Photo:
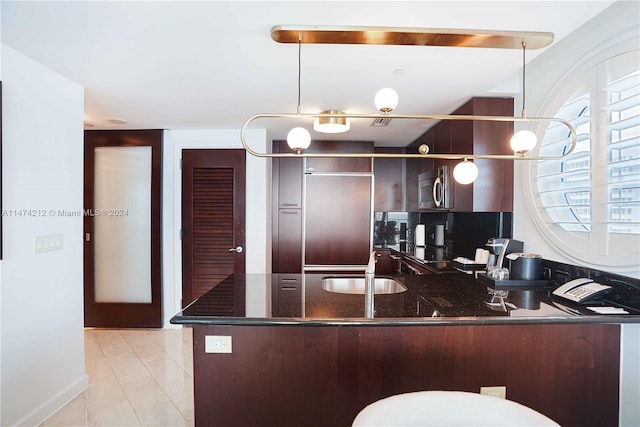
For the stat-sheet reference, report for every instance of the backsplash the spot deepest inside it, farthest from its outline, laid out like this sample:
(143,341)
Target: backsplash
(464,232)
(560,273)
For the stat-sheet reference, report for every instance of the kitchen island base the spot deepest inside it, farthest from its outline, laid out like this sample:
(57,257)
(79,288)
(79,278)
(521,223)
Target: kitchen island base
(293,375)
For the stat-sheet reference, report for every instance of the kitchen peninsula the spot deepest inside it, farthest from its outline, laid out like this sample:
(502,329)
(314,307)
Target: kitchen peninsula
(302,355)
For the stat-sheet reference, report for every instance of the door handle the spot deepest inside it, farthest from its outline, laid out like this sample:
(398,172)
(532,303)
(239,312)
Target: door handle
(237,249)
(437,192)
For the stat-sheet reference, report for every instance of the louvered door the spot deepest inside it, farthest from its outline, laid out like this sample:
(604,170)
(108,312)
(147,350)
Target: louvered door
(213,218)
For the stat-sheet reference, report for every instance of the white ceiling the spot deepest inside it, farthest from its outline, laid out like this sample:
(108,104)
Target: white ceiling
(212,64)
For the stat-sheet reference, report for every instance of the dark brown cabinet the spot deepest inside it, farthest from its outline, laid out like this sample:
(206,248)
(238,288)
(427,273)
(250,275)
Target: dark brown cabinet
(492,191)
(324,375)
(337,207)
(337,220)
(386,262)
(287,213)
(339,164)
(289,242)
(389,195)
(290,184)
(286,296)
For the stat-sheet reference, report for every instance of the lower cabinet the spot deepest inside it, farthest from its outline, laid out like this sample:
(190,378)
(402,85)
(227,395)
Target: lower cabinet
(287,258)
(387,263)
(286,299)
(324,375)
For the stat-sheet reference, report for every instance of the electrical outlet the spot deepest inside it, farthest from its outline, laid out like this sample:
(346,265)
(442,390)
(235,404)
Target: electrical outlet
(496,391)
(217,344)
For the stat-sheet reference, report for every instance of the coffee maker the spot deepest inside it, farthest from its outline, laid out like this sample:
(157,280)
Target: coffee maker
(499,247)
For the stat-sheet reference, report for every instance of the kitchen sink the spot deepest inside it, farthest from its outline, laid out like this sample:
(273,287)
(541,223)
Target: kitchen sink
(356,285)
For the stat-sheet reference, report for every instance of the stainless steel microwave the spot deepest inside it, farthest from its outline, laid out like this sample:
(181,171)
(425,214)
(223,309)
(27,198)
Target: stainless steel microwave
(434,191)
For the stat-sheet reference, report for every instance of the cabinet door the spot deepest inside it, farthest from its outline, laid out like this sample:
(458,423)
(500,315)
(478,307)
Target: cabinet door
(289,257)
(389,192)
(338,220)
(333,164)
(286,296)
(290,183)
(383,262)
(442,141)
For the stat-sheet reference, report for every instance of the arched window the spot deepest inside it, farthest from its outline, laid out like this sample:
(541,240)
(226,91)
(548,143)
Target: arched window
(588,203)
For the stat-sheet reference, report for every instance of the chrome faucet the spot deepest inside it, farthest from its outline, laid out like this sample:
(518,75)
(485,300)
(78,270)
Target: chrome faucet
(369,285)
(371,267)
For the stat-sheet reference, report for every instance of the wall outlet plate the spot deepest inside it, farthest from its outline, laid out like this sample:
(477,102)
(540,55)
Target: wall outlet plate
(217,344)
(496,391)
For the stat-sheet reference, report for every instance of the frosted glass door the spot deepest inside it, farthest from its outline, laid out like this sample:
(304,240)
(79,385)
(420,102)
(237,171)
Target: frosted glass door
(122,224)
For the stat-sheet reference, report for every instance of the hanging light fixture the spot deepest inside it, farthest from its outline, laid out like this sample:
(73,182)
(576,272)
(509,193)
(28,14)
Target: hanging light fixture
(387,99)
(465,172)
(523,141)
(298,138)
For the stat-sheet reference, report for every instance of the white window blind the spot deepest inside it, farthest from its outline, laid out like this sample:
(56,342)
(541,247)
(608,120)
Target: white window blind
(590,200)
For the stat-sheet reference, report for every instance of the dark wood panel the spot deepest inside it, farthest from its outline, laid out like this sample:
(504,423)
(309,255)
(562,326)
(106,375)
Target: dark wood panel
(290,183)
(212,227)
(213,218)
(389,182)
(289,241)
(331,164)
(337,220)
(321,376)
(493,138)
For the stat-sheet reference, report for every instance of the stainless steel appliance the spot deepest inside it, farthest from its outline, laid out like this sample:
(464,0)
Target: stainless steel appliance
(525,266)
(499,248)
(434,191)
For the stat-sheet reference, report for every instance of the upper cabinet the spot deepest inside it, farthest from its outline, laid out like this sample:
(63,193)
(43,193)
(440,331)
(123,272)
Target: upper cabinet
(338,164)
(389,194)
(287,178)
(492,191)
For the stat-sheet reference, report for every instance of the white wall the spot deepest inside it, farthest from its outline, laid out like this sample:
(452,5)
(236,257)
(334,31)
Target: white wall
(258,205)
(617,27)
(42,307)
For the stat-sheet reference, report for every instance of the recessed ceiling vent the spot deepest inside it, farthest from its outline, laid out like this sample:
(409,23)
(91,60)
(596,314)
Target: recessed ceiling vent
(381,122)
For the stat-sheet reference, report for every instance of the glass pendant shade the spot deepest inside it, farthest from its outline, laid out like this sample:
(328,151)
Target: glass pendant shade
(523,141)
(386,100)
(298,139)
(465,172)
(331,124)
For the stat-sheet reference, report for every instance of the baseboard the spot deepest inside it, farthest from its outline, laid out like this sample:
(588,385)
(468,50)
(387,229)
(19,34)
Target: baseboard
(55,403)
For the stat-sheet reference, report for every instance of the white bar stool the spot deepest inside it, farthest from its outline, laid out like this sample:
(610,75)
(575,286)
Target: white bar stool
(449,408)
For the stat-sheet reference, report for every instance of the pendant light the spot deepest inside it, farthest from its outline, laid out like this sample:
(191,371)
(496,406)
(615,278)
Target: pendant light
(465,172)
(299,138)
(387,99)
(523,141)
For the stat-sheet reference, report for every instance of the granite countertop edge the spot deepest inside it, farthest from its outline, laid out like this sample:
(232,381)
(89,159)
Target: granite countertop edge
(446,321)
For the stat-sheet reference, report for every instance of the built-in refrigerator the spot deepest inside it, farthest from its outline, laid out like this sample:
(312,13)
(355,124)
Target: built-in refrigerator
(337,223)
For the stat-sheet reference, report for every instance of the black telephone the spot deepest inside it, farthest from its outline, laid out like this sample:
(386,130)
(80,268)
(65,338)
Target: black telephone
(582,291)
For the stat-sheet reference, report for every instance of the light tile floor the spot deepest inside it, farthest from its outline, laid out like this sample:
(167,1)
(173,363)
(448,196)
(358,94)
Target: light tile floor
(137,377)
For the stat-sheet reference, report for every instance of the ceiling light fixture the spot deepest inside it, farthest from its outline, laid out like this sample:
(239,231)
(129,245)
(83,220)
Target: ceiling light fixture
(331,123)
(386,99)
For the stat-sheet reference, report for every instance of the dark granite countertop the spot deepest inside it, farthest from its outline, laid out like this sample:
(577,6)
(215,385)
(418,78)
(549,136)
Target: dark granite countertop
(448,299)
